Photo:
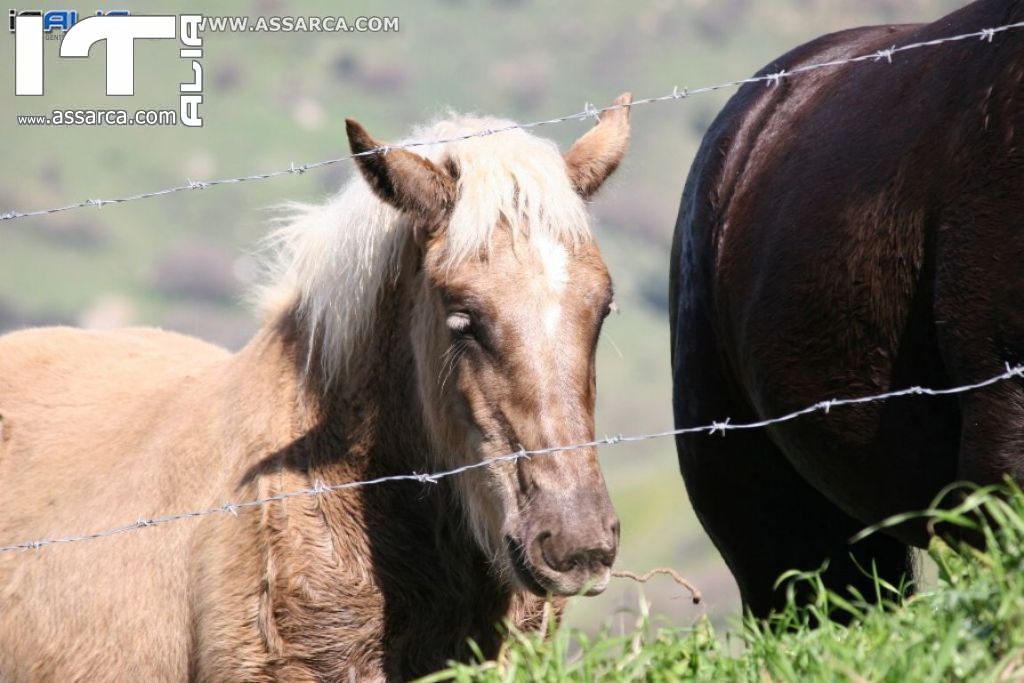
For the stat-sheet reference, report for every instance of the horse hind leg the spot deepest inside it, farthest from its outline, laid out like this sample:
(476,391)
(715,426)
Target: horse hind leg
(763,516)
(765,520)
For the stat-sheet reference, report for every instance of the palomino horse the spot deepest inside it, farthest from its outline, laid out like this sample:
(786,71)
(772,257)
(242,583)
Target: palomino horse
(852,230)
(441,310)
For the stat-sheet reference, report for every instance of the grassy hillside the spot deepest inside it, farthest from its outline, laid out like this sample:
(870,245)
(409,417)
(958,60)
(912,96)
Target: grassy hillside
(969,626)
(271,99)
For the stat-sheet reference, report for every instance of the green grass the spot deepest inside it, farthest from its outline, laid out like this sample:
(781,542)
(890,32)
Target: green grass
(969,626)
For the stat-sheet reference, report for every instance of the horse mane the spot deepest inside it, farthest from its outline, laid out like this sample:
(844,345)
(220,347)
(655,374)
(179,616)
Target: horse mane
(326,263)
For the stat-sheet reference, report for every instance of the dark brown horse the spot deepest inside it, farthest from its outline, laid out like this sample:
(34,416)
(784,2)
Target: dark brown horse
(844,232)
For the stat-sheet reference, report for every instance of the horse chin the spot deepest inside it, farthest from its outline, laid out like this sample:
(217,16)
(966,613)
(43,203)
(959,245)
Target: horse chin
(543,583)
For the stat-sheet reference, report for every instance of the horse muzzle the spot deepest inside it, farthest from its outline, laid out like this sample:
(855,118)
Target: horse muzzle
(574,556)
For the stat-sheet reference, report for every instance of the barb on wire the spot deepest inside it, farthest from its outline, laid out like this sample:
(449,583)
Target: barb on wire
(695,593)
(986,35)
(320,488)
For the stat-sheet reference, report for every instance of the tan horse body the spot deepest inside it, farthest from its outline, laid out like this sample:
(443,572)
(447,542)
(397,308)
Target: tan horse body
(385,582)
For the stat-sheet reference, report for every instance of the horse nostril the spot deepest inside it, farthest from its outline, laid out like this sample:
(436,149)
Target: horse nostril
(549,553)
(593,560)
(602,558)
(564,559)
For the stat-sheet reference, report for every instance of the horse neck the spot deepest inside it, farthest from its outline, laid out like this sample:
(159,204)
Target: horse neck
(429,587)
(375,399)
(399,551)
(368,418)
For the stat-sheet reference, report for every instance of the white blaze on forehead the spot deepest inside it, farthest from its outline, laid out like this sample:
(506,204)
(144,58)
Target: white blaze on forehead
(555,262)
(552,314)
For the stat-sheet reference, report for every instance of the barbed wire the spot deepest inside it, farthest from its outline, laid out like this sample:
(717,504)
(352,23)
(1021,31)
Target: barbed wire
(320,488)
(589,111)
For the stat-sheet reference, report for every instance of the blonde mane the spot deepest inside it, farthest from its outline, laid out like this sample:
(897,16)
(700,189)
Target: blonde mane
(327,262)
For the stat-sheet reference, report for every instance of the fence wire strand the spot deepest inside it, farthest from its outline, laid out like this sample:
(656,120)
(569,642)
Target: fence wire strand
(319,488)
(985,35)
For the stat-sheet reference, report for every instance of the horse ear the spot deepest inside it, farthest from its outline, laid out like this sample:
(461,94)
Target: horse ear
(598,153)
(404,180)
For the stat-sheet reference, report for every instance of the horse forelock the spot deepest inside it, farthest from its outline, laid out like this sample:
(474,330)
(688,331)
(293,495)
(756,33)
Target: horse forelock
(326,264)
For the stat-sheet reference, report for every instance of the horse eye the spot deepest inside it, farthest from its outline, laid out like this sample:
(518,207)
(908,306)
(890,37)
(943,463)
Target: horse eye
(459,323)
(612,308)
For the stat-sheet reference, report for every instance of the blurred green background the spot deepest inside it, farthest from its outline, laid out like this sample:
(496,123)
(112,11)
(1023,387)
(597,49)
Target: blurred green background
(182,262)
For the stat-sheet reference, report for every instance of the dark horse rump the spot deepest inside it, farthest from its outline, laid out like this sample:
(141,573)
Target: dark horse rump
(844,232)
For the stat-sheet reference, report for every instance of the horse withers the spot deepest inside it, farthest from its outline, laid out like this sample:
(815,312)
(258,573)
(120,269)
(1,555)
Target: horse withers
(848,231)
(442,310)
